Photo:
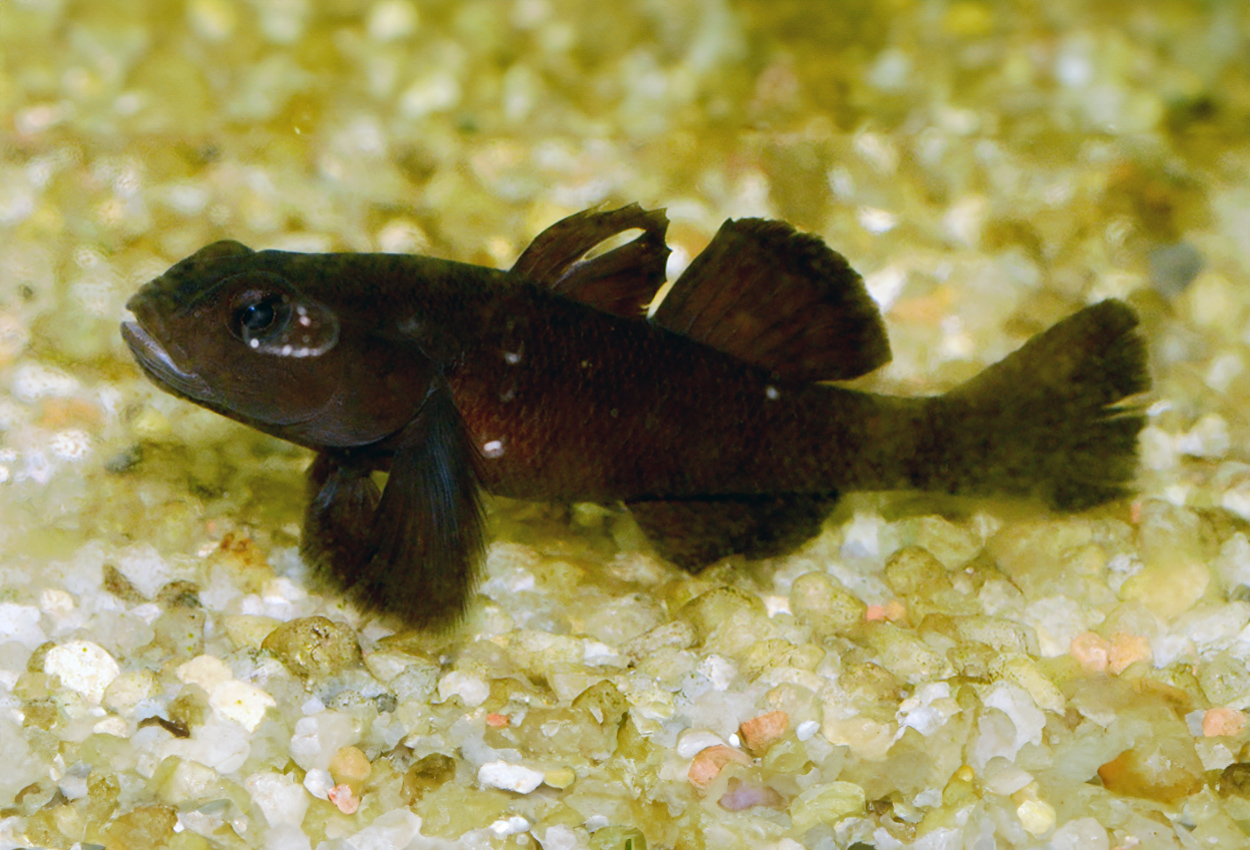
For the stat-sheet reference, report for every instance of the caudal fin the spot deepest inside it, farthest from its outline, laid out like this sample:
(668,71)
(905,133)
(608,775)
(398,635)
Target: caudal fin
(1048,421)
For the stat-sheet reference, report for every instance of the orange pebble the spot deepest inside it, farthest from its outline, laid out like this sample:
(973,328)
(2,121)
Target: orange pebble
(1127,649)
(1090,651)
(1222,721)
(760,733)
(708,763)
(498,721)
(874,612)
(350,766)
(59,413)
(342,797)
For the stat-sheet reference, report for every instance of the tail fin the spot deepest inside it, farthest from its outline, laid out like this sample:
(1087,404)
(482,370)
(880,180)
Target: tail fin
(1046,421)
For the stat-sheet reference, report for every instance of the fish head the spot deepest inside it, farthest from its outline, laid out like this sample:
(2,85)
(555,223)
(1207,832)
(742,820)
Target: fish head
(233,330)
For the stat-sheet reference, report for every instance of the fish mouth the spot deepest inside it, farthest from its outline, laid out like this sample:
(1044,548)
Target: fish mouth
(156,363)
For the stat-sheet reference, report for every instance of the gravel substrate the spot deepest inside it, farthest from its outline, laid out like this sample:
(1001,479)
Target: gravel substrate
(927,673)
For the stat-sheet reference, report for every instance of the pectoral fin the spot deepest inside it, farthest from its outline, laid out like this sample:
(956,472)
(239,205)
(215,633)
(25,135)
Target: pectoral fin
(621,281)
(693,533)
(420,556)
(338,523)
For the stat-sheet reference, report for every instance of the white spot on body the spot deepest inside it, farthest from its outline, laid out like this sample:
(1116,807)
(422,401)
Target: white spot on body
(254,343)
(493,448)
(512,357)
(772,393)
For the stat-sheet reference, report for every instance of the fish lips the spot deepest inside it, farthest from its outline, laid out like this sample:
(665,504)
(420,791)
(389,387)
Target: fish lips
(155,360)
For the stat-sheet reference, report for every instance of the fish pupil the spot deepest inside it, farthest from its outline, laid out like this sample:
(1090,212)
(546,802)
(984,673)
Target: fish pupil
(257,317)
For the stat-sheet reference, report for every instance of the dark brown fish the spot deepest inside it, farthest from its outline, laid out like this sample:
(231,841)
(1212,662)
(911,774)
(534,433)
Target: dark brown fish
(548,382)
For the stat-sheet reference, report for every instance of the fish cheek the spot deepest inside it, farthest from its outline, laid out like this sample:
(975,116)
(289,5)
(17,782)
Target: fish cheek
(262,388)
(378,390)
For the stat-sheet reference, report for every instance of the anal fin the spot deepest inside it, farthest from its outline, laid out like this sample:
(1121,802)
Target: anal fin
(693,533)
(767,294)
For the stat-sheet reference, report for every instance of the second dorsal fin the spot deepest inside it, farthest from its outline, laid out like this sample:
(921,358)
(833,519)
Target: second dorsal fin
(767,294)
(621,281)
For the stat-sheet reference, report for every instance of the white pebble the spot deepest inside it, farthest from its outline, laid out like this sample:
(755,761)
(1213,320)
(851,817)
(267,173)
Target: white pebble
(1222,371)
(861,537)
(515,825)
(390,20)
(33,381)
(436,92)
(1080,834)
(241,702)
(112,725)
(145,569)
(212,20)
(56,603)
(927,710)
(21,767)
(694,741)
(1004,778)
(1237,499)
(319,783)
(319,737)
(806,729)
(1208,438)
(598,653)
(207,671)
(891,70)
(718,670)
(71,444)
(1036,816)
(876,220)
(287,837)
(471,689)
(560,837)
(396,828)
(509,777)
(1026,721)
(83,667)
(221,745)
(20,623)
(386,665)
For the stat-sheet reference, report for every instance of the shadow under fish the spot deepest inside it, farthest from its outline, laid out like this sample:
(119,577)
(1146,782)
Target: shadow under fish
(549,382)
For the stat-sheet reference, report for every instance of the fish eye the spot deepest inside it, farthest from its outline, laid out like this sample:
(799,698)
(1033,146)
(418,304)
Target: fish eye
(271,319)
(259,315)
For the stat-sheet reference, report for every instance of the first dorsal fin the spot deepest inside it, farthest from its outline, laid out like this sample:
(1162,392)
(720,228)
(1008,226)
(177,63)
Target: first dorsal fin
(780,299)
(621,281)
